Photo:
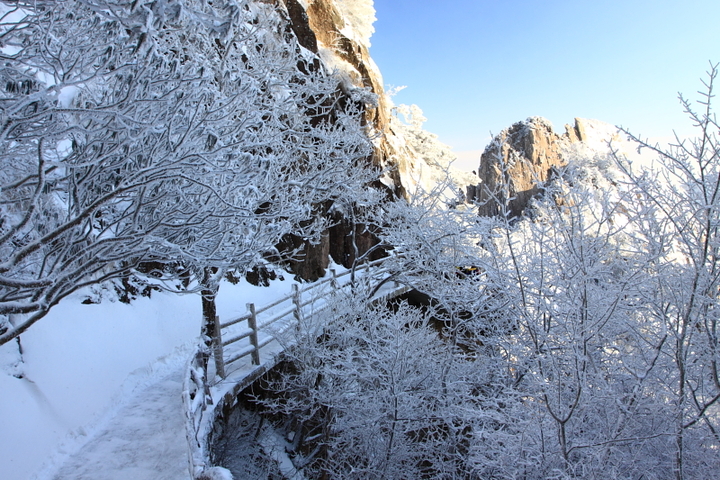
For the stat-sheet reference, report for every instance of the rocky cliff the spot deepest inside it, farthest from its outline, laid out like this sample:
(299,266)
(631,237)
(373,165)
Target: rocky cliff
(519,160)
(325,28)
(338,32)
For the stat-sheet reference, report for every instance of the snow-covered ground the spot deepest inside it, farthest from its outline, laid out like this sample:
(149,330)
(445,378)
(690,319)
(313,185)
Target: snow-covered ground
(84,367)
(144,439)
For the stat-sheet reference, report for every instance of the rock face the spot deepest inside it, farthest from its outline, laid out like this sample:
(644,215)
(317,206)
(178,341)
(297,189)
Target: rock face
(323,28)
(338,32)
(518,162)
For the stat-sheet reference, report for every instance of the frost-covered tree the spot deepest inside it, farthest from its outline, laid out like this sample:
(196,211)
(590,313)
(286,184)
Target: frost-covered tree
(611,284)
(583,357)
(428,162)
(371,390)
(175,133)
(679,202)
(437,252)
(578,340)
(377,395)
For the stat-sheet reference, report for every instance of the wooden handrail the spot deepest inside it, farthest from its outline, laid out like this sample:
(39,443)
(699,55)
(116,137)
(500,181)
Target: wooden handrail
(296,309)
(310,287)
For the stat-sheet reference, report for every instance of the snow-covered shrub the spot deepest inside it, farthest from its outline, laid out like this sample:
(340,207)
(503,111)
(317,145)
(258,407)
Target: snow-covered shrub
(377,395)
(611,282)
(428,162)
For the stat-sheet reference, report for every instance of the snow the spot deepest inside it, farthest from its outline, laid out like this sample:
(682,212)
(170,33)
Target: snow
(86,368)
(425,164)
(359,16)
(217,473)
(11,15)
(67,95)
(144,440)
(600,136)
(275,446)
(75,360)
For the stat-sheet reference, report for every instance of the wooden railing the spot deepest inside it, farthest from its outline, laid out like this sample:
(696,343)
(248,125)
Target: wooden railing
(248,334)
(228,348)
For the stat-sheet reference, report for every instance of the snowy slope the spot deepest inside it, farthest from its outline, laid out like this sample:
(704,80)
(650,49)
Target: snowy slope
(78,362)
(83,363)
(424,164)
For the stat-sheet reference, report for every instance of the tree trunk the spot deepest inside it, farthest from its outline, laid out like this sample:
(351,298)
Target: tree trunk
(209,309)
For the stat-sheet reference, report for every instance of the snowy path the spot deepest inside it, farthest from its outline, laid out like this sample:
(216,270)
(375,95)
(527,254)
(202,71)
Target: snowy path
(144,440)
(107,381)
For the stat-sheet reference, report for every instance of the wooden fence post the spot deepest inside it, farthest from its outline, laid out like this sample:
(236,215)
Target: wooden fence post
(252,323)
(218,349)
(297,312)
(334,281)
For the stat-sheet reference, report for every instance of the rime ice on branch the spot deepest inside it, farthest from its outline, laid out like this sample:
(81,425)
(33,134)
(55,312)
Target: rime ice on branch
(189,134)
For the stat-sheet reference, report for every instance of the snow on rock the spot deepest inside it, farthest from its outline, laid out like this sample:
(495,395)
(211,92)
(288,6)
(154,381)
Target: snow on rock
(522,156)
(215,473)
(275,447)
(359,16)
(526,154)
(598,138)
(424,164)
(339,32)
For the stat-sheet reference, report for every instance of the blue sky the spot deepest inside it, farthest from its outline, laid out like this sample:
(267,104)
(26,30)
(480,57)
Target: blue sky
(477,66)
